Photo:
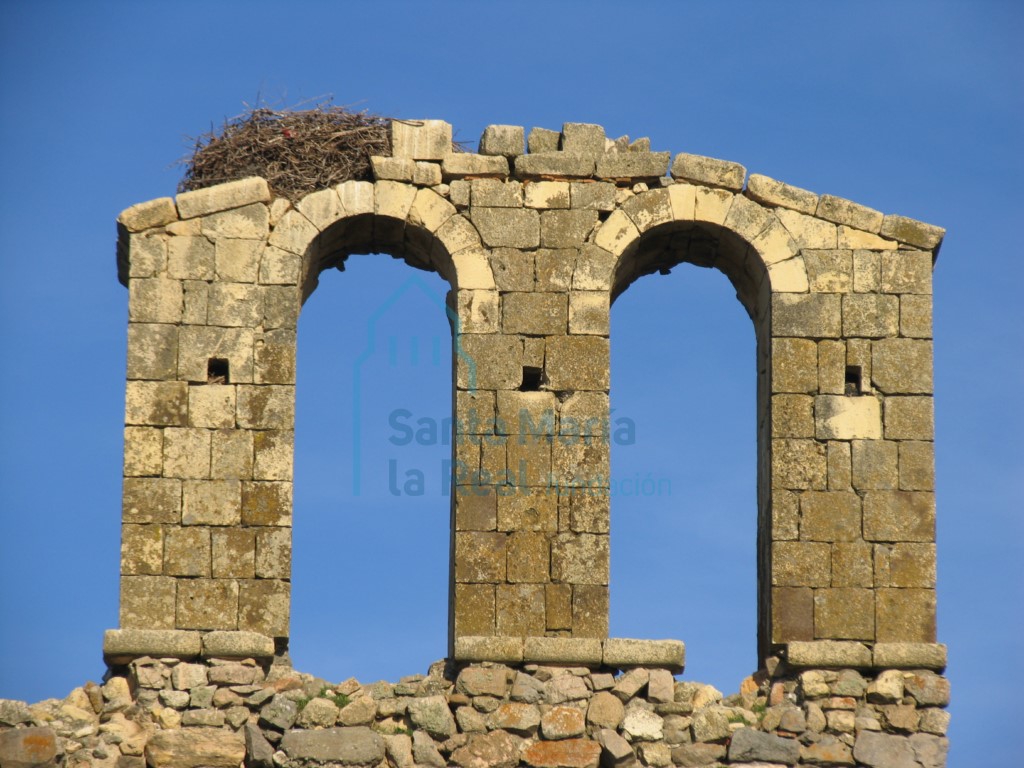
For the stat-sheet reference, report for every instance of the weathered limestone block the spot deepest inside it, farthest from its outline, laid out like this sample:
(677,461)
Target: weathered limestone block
(899,516)
(547,195)
(187,453)
(233,553)
(566,228)
(590,610)
(909,655)
(528,509)
(519,610)
(849,213)
(555,164)
(393,168)
(190,258)
(579,558)
(155,300)
(493,193)
(875,465)
(808,231)
(211,406)
(828,654)
(489,361)
(624,653)
(143,451)
(905,565)
(830,516)
(905,615)
(554,268)
(906,272)
(837,417)
(142,548)
(902,365)
(816,315)
(507,140)
(152,213)
(801,564)
(633,165)
(507,228)
(563,650)
(832,367)
(187,552)
(266,503)
(263,607)
(589,313)
(273,554)
(147,602)
(426,174)
(577,363)
(539,314)
(909,418)
(592,195)
(584,138)
(480,557)
(151,500)
(870,315)
(851,564)
(792,614)
(133,643)
(794,365)
(232,194)
(916,466)
(248,222)
(528,557)
(829,270)
(356,745)
(708,171)
(916,316)
(147,252)
(776,193)
(421,139)
(912,232)
(799,464)
(543,140)
(459,165)
(844,614)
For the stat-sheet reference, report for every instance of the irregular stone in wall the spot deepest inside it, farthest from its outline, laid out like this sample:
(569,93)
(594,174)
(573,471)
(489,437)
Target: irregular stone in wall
(570,753)
(28,747)
(347,746)
(195,747)
(748,745)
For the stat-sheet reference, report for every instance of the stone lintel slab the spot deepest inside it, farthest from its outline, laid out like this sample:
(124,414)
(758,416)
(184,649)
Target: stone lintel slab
(152,213)
(663,654)
(563,650)
(223,197)
(909,656)
(226,644)
(508,650)
(122,645)
(828,653)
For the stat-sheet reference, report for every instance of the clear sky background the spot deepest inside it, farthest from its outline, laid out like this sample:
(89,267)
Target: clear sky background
(912,108)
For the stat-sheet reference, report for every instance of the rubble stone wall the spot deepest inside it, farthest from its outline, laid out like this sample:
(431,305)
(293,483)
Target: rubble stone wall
(169,713)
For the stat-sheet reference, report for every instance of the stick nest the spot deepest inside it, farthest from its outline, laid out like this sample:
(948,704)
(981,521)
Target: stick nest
(296,151)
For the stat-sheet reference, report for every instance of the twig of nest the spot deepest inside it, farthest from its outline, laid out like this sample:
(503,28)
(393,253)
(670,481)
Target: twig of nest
(296,151)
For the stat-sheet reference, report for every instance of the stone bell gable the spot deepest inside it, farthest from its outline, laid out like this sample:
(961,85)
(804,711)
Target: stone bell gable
(536,234)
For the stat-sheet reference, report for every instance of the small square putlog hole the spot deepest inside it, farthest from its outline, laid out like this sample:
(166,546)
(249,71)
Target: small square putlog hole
(531,379)
(217,371)
(853,380)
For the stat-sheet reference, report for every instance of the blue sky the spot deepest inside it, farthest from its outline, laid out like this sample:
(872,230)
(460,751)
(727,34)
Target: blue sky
(914,108)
